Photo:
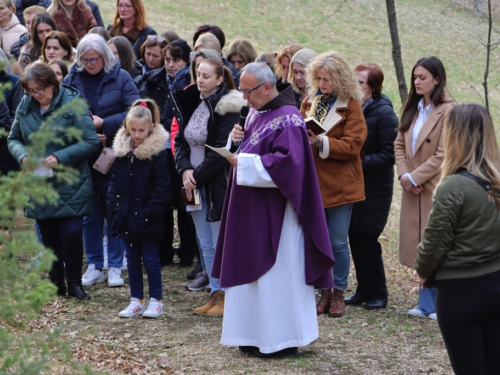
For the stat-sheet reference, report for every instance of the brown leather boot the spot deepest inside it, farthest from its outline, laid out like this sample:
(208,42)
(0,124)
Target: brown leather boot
(337,306)
(324,302)
(218,307)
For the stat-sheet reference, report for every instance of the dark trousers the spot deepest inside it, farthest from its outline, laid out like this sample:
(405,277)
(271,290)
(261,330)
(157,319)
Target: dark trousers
(64,237)
(143,251)
(468,312)
(366,254)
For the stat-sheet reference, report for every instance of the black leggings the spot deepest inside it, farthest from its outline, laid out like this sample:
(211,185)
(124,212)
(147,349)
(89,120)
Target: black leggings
(468,312)
(64,237)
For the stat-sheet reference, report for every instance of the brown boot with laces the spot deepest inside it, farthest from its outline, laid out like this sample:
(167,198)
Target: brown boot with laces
(324,302)
(337,305)
(218,308)
(202,310)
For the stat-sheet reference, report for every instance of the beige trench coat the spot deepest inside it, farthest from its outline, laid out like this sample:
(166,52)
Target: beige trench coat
(425,168)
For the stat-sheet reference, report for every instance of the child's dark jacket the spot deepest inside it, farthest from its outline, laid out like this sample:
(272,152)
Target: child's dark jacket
(140,186)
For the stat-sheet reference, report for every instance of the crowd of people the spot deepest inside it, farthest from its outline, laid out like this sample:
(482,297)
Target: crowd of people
(279,165)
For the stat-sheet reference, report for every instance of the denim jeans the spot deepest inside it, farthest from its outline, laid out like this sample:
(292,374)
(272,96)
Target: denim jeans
(93,230)
(427,300)
(207,233)
(338,219)
(146,250)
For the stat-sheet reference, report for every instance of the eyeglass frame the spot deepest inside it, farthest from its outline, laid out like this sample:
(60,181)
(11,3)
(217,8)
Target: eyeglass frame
(247,92)
(92,61)
(124,6)
(37,92)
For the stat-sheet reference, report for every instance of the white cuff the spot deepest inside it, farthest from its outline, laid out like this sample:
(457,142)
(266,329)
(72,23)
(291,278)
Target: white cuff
(326,147)
(411,178)
(251,172)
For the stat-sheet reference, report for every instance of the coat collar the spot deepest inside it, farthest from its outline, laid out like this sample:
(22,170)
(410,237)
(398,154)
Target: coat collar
(429,124)
(152,145)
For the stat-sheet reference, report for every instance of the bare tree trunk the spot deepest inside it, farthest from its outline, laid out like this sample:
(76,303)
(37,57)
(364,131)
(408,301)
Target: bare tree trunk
(489,47)
(396,49)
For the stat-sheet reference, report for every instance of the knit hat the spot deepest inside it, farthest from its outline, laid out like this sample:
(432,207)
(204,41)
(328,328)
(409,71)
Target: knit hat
(184,47)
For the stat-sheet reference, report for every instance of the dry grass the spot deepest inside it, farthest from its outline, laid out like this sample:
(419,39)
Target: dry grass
(361,342)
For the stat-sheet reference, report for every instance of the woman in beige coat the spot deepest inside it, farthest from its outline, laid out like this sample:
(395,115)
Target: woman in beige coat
(10,27)
(419,155)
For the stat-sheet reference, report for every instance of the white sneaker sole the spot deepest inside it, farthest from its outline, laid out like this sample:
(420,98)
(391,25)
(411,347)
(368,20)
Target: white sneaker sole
(86,282)
(129,315)
(117,282)
(152,315)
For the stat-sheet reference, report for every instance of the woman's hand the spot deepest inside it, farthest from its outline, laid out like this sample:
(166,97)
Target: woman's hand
(420,280)
(188,179)
(313,138)
(51,162)
(102,138)
(98,122)
(233,160)
(416,190)
(406,183)
(237,133)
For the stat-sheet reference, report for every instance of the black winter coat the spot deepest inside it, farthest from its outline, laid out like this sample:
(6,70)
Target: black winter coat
(139,190)
(370,215)
(224,107)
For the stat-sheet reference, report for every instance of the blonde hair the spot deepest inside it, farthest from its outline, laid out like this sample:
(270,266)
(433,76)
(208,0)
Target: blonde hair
(303,57)
(56,4)
(345,83)
(288,52)
(470,143)
(244,49)
(208,41)
(146,109)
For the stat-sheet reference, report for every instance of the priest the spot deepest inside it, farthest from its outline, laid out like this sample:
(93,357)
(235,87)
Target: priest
(273,248)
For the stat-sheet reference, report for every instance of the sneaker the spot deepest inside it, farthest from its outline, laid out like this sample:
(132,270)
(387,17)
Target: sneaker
(200,282)
(154,310)
(417,312)
(115,277)
(135,308)
(92,276)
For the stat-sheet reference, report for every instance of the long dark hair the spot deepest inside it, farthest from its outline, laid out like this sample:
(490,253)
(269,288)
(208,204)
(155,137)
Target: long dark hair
(438,95)
(35,44)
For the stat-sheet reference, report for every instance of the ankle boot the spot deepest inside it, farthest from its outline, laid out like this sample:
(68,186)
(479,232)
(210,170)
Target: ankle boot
(192,274)
(75,289)
(337,306)
(324,302)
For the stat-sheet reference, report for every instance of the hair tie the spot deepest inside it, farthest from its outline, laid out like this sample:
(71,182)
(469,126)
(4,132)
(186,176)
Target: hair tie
(142,104)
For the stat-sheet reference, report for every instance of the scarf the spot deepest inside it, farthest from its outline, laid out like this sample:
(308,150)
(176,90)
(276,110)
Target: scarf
(322,107)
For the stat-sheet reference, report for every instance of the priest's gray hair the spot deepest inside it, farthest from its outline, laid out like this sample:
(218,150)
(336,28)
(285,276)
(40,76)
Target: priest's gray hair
(261,71)
(97,43)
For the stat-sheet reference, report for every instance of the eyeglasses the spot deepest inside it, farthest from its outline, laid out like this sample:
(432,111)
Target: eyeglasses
(37,92)
(156,37)
(360,82)
(92,61)
(124,6)
(249,91)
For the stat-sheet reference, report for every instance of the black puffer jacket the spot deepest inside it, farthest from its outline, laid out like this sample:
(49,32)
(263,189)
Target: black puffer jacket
(371,215)
(224,107)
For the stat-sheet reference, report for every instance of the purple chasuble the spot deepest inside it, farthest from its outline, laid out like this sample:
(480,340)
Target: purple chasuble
(252,217)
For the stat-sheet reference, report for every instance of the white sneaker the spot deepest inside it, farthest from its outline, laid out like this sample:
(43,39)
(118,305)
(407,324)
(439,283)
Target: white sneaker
(135,308)
(92,276)
(417,312)
(154,310)
(433,316)
(115,277)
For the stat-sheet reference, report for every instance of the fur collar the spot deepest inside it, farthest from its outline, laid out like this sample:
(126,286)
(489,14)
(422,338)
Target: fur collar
(152,145)
(230,103)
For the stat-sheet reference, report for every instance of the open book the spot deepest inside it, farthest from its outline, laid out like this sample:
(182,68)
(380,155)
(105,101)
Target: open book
(313,125)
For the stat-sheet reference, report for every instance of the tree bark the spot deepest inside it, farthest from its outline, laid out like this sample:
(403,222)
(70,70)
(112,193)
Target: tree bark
(396,50)
(489,47)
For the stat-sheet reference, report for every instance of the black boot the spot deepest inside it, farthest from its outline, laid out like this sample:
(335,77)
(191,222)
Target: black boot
(191,275)
(75,289)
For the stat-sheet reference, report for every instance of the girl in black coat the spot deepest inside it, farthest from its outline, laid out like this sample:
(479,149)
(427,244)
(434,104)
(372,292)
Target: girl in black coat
(369,217)
(138,194)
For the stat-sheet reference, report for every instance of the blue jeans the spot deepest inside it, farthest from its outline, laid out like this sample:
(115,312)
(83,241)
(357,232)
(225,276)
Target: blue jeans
(93,230)
(338,219)
(207,233)
(427,300)
(148,250)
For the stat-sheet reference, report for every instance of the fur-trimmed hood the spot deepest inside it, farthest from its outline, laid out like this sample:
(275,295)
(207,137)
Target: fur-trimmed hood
(230,103)
(152,145)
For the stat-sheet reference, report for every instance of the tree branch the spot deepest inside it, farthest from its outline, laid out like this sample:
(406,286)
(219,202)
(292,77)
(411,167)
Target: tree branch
(336,10)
